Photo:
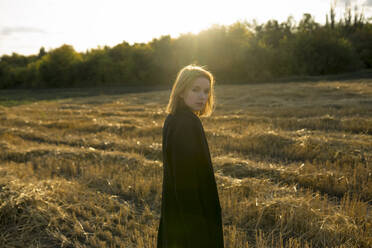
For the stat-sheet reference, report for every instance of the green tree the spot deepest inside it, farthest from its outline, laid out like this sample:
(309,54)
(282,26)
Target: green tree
(184,49)
(163,59)
(59,67)
(323,53)
(307,24)
(212,50)
(238,37)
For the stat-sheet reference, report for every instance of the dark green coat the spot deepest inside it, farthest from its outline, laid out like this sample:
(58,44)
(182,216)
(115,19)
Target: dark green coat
(190,210)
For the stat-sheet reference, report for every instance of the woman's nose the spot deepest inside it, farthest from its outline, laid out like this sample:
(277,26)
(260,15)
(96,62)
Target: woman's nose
(203,96)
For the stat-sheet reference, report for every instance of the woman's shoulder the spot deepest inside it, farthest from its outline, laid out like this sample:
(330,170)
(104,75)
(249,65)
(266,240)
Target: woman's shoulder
(182,119)
(185,117)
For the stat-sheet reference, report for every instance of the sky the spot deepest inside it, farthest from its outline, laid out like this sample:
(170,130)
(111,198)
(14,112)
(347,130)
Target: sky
(27,25)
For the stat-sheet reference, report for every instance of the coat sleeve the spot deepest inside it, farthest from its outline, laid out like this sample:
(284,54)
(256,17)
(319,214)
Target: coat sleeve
(185,156)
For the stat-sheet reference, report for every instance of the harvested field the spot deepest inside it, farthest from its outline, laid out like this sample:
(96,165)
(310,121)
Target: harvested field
(293,164)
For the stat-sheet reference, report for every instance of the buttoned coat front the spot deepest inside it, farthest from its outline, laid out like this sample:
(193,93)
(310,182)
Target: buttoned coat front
(190,207)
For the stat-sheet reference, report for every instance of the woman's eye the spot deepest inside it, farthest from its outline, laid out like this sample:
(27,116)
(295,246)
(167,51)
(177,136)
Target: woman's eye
(196,90)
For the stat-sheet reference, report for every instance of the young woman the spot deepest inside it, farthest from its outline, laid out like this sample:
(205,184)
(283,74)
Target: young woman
(190,209)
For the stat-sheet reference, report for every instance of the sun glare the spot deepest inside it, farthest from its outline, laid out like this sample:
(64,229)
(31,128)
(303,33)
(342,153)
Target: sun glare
(88,24)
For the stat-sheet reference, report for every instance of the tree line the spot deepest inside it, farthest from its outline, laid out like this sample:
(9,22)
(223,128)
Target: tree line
(242,52)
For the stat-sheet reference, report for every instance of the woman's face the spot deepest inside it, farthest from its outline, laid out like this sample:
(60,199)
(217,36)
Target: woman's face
(197,95)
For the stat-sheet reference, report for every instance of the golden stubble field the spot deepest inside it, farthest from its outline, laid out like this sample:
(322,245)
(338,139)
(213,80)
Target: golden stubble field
(292,163)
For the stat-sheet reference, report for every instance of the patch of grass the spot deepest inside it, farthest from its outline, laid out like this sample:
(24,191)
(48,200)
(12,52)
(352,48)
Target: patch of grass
(11,103)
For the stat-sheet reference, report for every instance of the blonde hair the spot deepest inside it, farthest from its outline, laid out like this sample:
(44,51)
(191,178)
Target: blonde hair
(185,77)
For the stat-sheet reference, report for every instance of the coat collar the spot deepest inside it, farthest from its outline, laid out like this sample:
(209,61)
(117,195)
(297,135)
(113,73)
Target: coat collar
(182,107)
